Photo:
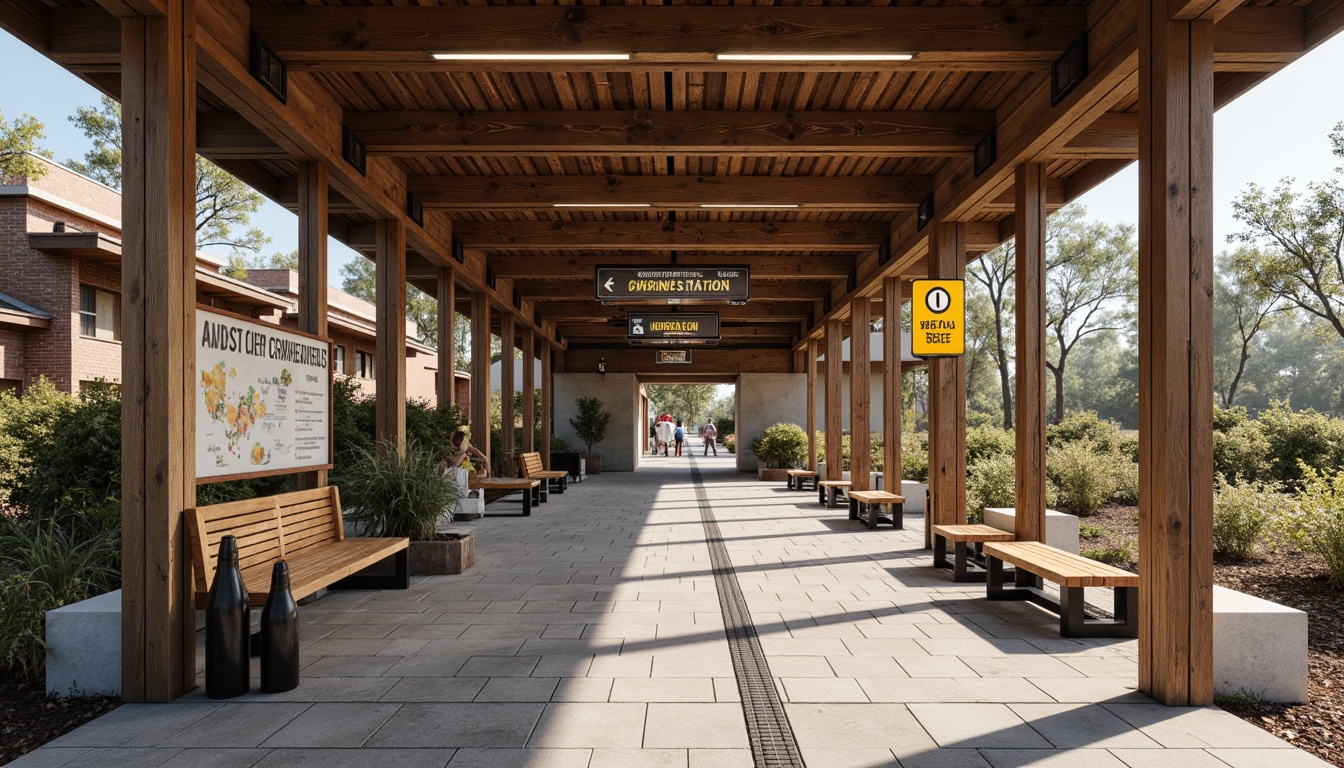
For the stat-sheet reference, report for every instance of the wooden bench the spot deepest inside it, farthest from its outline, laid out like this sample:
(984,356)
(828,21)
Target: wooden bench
(552,480)
(306,530)
(799,479)
(964,538)
(531,488)
(867,505)
(828,491)
(1035,561)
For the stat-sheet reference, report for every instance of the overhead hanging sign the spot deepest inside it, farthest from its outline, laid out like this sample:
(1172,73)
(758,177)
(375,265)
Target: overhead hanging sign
(263,399)
(673,328)
(938,313)
(673,284)
(673,356)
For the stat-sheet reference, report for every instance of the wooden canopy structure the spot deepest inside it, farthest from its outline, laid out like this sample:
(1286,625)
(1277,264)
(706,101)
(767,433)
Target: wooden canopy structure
(493,153)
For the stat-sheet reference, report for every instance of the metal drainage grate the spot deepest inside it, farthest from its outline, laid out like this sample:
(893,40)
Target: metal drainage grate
(772,741)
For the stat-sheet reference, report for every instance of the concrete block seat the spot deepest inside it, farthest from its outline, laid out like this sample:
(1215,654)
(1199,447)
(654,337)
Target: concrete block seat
(1061,528)
(1259,647)
(868,505)
(800,479)
(84,647)
(828,492)
(1035,561)
(967,542)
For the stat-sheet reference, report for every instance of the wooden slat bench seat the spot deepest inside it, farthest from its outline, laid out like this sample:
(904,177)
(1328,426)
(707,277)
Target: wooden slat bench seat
(868,505)
(552,480)
(828,491)
(1035,561)
(967,541)
(800,479)
(531,488)
(306,530)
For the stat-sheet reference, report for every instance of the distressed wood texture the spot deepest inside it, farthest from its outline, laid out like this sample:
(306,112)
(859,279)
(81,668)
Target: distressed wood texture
(446,283)
(480,372)
(947,396)
(529,436)
(892,405)
(312,211)
(828,266)
(835,337)
(158,353)
(860,402)
(810,370)
(390,358)
(1175,357)
(1029,284)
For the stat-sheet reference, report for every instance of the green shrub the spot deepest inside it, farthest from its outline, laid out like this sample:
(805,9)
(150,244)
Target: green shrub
(1241,450)
(988,443)
(990,483)
(1084,477)
(1129,447)
(558,444)
(1300,439)
(726,425)
(915,457)
(1316,522)
(1243,513)
(26,422)
(877,458)
(1224,419)
(1089,531)
(1085,426)
(391,494)
(1118,555)
(1127,480)
(782,445)
(729,442)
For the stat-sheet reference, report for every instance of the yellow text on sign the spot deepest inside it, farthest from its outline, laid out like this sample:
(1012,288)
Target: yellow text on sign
(939,318)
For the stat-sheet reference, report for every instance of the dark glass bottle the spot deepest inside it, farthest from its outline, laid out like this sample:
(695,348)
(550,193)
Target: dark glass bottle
(226,628)
(280,635)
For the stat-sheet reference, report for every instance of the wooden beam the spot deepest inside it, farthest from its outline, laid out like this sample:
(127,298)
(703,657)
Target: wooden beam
(1209,10)
(447,303)
(641,132)
(1029,283)
(662,235)
(810,354)
(480,372)
(545,446)
(835,333)
(1112,136)
(229,136)
(704,361)
(860,379)
(569,290)
(158,300)
(660,193)
(1175,358)
(312,267)
(662,37)
(893,405)
(507,365)
(561,311)
(947,396)
(763,266)
(529,391)
(390,357)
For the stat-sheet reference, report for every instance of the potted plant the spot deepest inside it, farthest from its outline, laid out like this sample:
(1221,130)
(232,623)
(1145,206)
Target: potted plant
(591,427)
(780,448)
(405,494)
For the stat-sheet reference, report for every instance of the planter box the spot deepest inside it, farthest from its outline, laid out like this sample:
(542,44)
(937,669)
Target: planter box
(571,462)
(594,463)
(442,558)
(772,475)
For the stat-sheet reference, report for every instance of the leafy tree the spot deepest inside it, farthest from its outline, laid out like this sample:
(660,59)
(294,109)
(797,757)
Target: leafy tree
(238,265)
(688,402)
(994,271)
(222,201)
(1240,305)
(18,139)
(359,279)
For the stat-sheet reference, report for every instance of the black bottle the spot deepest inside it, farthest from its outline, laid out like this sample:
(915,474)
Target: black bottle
(280,635)
(226,628)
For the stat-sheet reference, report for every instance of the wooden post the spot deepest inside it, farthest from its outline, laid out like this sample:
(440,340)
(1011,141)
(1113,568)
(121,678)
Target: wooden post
(390,360)
(892,407)
(529,390)
(860,377)
(506,369)
(480,372)
(312,209)
(810,366)
(835,335)
(446,283)
(1029,278)
(545,446)
(158,639)
(947,394)
(1175,357)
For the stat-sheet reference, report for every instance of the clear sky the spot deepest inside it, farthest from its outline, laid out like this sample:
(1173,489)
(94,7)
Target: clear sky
(1267,134)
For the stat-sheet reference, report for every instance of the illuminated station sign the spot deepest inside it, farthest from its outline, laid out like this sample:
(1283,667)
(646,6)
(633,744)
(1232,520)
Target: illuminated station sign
(677,329)
(673,284)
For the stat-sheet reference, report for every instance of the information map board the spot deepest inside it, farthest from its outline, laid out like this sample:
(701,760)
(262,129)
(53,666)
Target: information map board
(263,399)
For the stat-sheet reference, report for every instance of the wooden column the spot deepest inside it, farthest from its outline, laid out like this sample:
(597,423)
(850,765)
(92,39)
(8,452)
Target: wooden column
(312,210)
(1175,357)
(390,361)
(1029,283)
(835,335)
(446,283)
(529,390)
(506,370)
(480,372)
(947,394)
(892,406)
(810,367)
(860,377)
(158,619)
(545,446)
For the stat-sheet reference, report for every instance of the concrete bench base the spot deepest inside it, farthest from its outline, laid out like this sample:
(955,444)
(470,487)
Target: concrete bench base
(1061,529)
(1259,648)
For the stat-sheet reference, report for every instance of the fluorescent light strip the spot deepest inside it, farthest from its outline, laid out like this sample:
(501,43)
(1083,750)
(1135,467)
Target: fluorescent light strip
(601,205)
(806,57)
(750,205)
(532,56)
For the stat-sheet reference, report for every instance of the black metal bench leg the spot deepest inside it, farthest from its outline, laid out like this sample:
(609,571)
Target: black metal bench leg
(940,552)
(994,589)
(898,516)
(1127,610)
(873,511)
(1071,615)
(399,579)
(821,494)
(527,503)
(853,508)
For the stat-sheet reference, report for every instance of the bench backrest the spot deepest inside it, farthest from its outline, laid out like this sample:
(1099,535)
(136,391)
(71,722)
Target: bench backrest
(531,464)
(268,529)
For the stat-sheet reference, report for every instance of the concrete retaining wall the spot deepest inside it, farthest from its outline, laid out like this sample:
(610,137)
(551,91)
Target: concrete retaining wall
(765,399)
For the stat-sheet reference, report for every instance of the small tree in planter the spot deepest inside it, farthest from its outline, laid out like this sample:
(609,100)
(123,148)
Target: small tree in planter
(778,449)
(591,427)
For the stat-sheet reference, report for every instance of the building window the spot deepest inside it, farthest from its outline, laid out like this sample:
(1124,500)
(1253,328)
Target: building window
(365,362)
(12,386)
(99,314)
(338,359)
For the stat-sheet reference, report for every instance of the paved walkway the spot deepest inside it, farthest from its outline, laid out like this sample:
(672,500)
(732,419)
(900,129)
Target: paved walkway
(590,636)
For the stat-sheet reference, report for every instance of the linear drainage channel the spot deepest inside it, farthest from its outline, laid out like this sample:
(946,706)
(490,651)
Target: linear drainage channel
(772,742)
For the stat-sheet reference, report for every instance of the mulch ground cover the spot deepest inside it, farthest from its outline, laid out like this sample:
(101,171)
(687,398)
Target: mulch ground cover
(1294,579)
(28,719)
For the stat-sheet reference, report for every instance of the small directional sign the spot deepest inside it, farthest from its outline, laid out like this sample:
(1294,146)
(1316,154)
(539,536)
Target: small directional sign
(673,357)
(673,284)
(673,328)
(939,318)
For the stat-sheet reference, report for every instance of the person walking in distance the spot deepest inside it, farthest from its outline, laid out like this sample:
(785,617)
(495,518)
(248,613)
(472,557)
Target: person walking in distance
(679,436)
(708,434)
(665,434)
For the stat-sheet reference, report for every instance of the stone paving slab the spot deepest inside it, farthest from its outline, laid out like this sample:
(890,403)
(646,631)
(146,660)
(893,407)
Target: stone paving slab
(590,636)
